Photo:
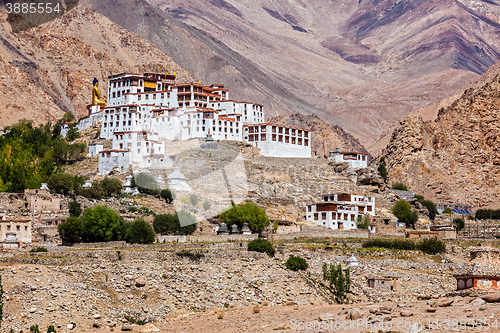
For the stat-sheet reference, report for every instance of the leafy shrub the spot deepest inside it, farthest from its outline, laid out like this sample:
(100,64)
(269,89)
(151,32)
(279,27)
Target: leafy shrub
(70,231)
(448,211)
(141,232)
(75,209)
(399,186)
(133,209)
(146,184)
(38,249)
(246,213)
(206,205)
(261,245)
(486,214)
(382,169)
(339,281)
(170,224)
(431,207)
(110,186)
(296,263)
(61,183)
(459,223)
(193,199)
(167,195)
(402,210)
(51,329)
(34,329)
(431,246)
(72,133)
(363,222)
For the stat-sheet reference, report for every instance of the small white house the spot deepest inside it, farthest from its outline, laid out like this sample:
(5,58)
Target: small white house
(352,261)
(356,160)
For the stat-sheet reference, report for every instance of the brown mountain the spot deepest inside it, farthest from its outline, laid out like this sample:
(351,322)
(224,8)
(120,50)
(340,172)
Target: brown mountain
(360,64)
(48,70)
(325,137)
(455,158)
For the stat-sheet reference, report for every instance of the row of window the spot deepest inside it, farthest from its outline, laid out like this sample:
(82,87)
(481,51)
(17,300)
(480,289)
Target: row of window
(277,129)
(18,227)
(280,138)
(337,216)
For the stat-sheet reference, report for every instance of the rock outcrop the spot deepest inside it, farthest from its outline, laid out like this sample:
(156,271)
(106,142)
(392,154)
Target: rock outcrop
(455,158)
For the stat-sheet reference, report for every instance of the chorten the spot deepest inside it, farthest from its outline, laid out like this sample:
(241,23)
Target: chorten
(482,271)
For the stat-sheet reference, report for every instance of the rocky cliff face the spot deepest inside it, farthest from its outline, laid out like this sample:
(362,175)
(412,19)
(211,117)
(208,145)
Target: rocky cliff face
(48,70)
(455,158)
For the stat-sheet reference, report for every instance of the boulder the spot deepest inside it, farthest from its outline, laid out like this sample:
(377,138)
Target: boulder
(443,302)
(406,313)
(492,298)
(140,283)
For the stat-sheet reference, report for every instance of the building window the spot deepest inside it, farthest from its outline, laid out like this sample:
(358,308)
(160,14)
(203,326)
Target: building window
(300,141)
(138,151)
(139,97)
(138,144)
(280,138)
(274,129)
(306,142)
(316,216)
(287,131)
(263,137)
(287,139)
(274,137)
(323,216)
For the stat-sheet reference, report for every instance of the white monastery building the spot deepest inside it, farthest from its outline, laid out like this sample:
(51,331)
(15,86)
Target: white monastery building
(340,211)
(145,111)
(355,160)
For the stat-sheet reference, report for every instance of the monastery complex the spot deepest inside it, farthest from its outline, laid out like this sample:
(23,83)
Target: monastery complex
(143,112)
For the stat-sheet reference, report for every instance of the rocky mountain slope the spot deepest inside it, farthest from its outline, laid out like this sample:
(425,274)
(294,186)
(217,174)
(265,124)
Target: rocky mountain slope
(456,157)
(48,70)
(358,64)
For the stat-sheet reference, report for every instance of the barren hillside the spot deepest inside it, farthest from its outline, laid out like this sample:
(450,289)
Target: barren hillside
(48,70)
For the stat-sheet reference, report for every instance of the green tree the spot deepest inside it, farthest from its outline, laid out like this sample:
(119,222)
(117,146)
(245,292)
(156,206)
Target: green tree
(402,210)
(70,231)
(363,222)
(170,224)
(75,209)
(206,205)
(459,223)
(167,195)
(261,245)
(141,232)
(61,183)
(145,183)
(339,281)
(67,118)
(187,222)
(34,329)
(246,213)
(101,224)
(431,207)
(431,246)
(51,329)
(382,169)
(72,133)
(111,186)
